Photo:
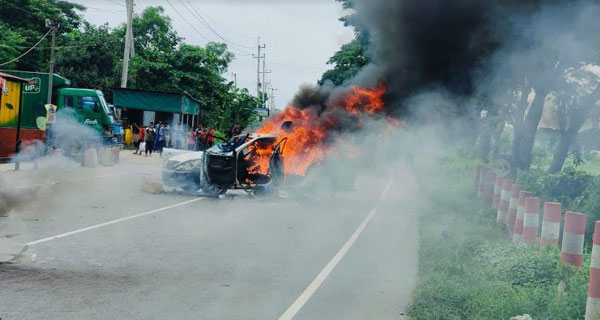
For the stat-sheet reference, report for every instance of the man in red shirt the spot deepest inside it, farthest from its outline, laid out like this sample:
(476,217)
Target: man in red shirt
(140,138)
(211,137)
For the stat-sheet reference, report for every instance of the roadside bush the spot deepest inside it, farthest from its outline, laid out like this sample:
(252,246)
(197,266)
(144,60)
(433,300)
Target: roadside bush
(563,187)
(589,203)
(577,190)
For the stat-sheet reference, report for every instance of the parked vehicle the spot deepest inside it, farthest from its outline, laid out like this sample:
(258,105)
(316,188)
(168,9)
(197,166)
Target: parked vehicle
(87,106)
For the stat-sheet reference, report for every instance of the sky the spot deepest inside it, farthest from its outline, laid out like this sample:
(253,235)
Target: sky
(300,36)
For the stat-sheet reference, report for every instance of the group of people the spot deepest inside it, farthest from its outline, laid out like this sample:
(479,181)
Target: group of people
(150,138)
(153,138)
(201,138)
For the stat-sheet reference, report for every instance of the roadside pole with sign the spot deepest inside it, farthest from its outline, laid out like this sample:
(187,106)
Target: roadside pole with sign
(262,113)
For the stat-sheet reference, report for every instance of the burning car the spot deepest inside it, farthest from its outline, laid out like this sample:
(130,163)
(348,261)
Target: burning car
(234,164)
(304,140)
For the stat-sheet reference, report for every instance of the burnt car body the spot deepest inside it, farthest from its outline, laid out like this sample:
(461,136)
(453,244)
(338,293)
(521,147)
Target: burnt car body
(181,172)
(225,166)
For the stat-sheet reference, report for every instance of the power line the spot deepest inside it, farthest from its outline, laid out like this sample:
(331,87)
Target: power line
(26,52)
(203,21)
(207,25)
(224,28)
(117,3)
(297,66)
(186,21)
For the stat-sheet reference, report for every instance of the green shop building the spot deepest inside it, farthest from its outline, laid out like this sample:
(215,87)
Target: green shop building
(145,106)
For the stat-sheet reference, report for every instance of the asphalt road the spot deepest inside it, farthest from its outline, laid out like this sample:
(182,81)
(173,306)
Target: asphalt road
(351,257)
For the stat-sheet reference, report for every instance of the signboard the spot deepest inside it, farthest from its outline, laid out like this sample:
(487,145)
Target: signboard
(262,112)
(33,86)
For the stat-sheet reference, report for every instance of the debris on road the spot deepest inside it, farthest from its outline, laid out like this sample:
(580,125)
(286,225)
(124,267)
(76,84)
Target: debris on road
(152,187)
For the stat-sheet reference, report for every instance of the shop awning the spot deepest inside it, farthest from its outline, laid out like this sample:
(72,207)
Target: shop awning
(155,101)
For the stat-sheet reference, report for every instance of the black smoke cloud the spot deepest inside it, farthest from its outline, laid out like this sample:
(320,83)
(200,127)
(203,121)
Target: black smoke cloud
(418,45)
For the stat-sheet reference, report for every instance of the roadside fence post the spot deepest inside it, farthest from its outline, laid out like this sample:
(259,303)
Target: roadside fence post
(518,230)
(572,239)
(504,202)
(489,187)
(512,207)
(592,307)
(531,220)
(497,192)
(551,224)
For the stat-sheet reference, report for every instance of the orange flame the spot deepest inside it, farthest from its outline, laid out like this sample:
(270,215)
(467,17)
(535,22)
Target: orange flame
(307,141)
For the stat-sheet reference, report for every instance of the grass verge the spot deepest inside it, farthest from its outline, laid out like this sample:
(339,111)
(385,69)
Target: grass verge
(469,269)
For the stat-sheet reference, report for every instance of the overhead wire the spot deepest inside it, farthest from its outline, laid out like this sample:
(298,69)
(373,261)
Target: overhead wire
(224,28)
(199,17)
(202,20)
(186,21)
(26,52)
(117,3)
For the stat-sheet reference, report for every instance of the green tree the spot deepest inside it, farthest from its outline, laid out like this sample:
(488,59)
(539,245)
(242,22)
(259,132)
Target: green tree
(23,24)
(92,58)
(351,57)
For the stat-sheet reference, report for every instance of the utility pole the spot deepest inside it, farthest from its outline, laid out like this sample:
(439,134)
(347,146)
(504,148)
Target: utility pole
(258,58)
(264,82)
(128,43)
(53,25)
(272,99)
(235,79)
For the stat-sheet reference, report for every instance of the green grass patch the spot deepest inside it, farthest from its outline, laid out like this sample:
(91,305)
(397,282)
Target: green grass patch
(469,269)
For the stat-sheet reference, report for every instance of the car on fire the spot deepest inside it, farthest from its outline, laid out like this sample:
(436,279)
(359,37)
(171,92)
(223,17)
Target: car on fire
(228,165)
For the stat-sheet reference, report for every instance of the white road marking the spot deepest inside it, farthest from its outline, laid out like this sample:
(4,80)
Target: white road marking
(291,312)
(104,224)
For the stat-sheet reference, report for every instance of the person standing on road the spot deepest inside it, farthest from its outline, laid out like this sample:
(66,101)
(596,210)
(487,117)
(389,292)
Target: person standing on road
(141,146)
(160,137)
(156,131)
(149,138)
(191,140)
(211,138)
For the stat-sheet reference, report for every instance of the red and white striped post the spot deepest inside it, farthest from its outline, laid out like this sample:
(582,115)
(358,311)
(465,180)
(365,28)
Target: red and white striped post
(531,220)
(572,239)
(489,187)
(481,184)
(477,175)
(518,230)
(504,202)
(497,192)
(512,206)
(592,308)
(551,223)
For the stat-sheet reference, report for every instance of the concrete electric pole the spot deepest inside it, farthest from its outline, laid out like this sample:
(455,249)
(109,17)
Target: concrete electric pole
(264,82)
(272,100)
(128,43)
(259,57)
(53,25)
